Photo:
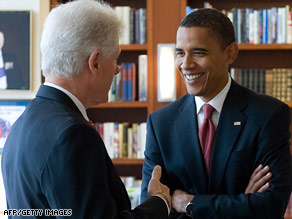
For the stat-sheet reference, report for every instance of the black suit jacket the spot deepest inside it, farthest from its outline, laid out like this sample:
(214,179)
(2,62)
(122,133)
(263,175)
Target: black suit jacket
(54,159)
(17,78)
(253,129)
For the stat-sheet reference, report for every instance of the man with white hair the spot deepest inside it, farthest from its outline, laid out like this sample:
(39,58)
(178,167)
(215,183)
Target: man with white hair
(53,159)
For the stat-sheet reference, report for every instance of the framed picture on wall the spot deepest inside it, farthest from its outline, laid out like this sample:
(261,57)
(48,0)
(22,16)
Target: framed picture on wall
(9,113)
(15,50)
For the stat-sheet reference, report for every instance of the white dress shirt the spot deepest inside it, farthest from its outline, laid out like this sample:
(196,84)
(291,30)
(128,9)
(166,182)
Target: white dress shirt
(72,97)
(216,102)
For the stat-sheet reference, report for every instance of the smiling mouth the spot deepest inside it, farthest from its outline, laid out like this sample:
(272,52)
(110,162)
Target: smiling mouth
(193,76)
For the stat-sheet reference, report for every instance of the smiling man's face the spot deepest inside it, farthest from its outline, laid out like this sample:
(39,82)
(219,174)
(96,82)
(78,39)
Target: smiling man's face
(201,62)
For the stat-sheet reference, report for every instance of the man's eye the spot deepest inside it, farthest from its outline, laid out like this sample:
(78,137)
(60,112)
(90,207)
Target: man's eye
(179,53)
(199,53)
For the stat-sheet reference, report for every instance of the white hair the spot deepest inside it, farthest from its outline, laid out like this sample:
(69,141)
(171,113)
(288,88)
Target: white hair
(72,31)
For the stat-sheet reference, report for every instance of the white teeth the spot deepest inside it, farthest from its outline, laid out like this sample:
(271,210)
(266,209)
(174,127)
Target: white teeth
(192,77)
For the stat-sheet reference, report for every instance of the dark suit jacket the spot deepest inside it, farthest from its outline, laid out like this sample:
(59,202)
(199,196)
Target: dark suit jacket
(54,159)
(17,78)
(253,129)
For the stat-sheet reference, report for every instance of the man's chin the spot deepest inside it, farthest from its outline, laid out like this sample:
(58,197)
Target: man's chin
(193,92)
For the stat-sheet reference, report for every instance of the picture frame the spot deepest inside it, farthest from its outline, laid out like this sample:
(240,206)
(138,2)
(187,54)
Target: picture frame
(39,10)
(9,113)
(15,50)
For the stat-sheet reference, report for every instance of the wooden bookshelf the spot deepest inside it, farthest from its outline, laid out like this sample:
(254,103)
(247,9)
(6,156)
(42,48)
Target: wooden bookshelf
(289,103)
(122,104)
(127,161)
(134,47)
(273,46)
(129,167)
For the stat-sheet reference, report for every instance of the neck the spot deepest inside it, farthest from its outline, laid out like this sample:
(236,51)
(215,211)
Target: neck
(73,85)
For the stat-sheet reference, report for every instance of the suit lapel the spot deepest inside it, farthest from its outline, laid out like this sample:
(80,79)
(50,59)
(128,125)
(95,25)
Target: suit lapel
(230,124)
(186,122)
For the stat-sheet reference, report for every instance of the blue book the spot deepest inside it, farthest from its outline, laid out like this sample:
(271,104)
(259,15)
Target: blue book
(130,82)
(124,82)
(265,29)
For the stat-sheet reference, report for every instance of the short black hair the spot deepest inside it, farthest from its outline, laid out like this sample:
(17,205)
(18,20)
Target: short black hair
(221,28)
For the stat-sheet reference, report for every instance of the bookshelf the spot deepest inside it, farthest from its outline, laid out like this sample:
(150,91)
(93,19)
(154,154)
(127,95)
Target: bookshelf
(273,46)
(163,16)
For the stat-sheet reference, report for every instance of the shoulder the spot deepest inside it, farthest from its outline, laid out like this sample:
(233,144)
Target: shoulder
(256,102)
(174,107)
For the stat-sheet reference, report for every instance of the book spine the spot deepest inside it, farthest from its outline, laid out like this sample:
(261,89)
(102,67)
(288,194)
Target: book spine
(262,82)
(142,77)
(130,142)
(256,27)
(124,82)
(125,140)
(132,25)
(129,82)
(289,87)
(135,140)
(141,140)
(126,19)
(134,82)
(289,27)
(251,26)
(121,139)
(137,26)
(116,142)
(119,11)
(255,80)
(143,24)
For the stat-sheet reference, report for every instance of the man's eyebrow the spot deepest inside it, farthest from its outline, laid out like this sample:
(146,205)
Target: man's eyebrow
(199,49)
(193,49)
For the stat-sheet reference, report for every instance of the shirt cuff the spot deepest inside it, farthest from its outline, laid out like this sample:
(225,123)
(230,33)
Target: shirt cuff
(168,208)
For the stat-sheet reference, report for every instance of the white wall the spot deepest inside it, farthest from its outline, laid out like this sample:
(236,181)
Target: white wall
(40,10)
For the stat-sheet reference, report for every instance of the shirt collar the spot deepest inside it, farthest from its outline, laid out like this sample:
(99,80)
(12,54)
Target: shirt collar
(217,101)
(72,97)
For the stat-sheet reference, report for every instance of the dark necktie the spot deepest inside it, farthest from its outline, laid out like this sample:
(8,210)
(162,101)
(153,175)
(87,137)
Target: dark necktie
(206,134)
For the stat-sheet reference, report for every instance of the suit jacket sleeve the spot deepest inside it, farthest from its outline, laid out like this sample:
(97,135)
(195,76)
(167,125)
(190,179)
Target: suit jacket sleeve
(272,149)
(79,175)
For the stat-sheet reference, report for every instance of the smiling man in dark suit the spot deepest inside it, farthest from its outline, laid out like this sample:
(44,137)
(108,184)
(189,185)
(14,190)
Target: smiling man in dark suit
(53,159)
(210,141)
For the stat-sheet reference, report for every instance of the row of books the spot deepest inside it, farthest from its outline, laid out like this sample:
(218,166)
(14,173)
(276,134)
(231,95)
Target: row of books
(253,26)
(124,86)
(123,140)
(275,82)
(134,21)
(133,187)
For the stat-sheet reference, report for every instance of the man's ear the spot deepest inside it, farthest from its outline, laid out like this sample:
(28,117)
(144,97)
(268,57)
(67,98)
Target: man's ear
(232,50)
(93,61)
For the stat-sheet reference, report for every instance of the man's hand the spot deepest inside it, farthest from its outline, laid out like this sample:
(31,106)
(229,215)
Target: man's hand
(155,187)
(258,181)
(180,199)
